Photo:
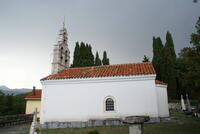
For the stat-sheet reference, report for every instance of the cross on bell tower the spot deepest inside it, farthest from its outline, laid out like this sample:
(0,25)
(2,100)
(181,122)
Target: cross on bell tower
(61,57)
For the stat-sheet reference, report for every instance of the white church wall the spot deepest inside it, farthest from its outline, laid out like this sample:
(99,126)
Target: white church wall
(162,100)
(83,99)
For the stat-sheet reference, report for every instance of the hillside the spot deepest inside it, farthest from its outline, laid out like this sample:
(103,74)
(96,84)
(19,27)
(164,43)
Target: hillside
(15,91)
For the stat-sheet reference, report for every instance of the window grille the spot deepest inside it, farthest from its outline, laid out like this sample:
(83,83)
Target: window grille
(109,104)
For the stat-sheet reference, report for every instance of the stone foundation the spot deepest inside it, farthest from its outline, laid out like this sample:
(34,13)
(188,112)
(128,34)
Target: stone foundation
(90,123)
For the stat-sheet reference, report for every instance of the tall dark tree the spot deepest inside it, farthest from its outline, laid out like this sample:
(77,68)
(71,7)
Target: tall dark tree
(105,60)
(168,69)
(76,55)
(91,56)
(164,60)
(83,55)
(157,56)
(97,60)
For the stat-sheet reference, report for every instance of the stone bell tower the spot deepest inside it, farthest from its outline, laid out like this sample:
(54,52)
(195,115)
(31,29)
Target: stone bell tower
(61,57)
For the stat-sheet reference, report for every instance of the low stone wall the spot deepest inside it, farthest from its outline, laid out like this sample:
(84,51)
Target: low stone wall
(90,123)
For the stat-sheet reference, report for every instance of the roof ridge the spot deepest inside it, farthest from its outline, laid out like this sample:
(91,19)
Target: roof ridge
(108,65)
(140,68)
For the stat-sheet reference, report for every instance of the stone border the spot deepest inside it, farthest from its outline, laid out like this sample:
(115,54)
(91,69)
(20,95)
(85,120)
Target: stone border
(90,123)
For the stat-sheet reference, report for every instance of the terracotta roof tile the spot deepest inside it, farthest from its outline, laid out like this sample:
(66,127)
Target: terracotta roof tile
(160,82)
(144,68)
(38,93)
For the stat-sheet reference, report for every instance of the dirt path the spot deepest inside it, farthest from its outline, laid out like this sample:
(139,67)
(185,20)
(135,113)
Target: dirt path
(15,129)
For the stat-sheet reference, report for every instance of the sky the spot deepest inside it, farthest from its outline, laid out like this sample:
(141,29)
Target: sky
(124,28)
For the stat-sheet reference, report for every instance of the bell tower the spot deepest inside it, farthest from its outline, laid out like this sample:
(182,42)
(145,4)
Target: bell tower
(61,57)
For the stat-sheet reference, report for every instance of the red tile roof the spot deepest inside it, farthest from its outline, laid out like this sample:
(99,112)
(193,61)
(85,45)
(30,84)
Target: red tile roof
(160,82)
(38,93)
(145,68)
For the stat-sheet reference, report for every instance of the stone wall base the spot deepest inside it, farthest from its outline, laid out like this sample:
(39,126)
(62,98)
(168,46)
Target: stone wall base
(89,123)
(77,124)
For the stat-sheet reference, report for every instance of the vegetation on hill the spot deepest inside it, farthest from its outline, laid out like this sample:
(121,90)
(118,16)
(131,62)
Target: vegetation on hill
(11,105)
(84,57)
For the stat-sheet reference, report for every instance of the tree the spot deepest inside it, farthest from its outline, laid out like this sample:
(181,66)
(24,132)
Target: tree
(145,59)
(164,59)
(90,56)
(83,55)
(97,60)
(76,55)
(168,66)
(157,56)
(2,103)
(105,60)
(195,38)
(189,62)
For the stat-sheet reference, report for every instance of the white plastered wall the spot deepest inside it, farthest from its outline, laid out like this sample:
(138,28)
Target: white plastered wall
(83,99)
(162,100)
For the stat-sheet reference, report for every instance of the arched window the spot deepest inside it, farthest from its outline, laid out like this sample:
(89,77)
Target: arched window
(109,104)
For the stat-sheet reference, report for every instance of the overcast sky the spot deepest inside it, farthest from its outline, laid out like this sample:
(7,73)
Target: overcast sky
(124,28)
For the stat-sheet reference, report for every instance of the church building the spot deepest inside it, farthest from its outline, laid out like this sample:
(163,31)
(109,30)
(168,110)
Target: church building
(93,96)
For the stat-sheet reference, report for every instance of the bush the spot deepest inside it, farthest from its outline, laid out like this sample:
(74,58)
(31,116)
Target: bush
(93,132)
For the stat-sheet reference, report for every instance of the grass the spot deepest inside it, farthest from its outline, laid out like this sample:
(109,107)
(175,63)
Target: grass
(184,125)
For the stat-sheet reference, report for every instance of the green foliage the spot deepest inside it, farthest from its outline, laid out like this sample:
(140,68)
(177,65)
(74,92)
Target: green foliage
(183,73)
(195,37)
(10,105)
(168,66)
(145,59)
(97,61)
(164,59)
(83,56)
(93,132)
(189,65)
(76,55)
(157,56)
(105,60)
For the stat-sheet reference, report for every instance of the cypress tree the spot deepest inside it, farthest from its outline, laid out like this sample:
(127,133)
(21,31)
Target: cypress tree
(157,56)
(164,60)
(168,66)
(76,55)
(83,56)
(97,60)
(170,46)
(105,60)
(91,56)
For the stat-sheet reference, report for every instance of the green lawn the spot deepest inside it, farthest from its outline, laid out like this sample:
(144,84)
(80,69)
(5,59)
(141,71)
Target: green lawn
(185,125)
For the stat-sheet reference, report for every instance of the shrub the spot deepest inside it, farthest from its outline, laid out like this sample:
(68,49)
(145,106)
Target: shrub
(93,132)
